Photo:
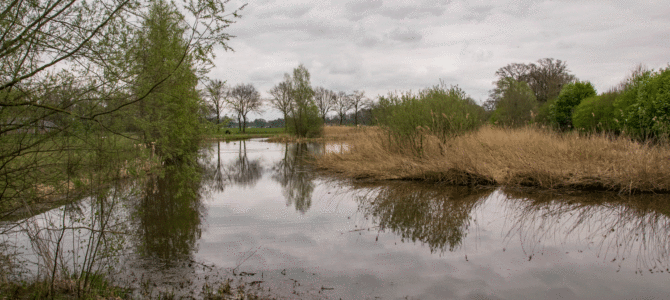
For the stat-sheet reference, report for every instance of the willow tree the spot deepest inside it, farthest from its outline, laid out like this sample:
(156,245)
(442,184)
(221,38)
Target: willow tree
(168,117)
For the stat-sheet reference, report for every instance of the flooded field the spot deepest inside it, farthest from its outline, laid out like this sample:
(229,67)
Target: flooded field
(257,214)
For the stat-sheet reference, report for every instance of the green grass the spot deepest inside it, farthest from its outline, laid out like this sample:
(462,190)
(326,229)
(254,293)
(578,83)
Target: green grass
(235,133)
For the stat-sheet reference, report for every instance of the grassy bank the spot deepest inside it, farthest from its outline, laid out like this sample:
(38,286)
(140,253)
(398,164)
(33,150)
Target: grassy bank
(234,134)
(329,134)
(526,156)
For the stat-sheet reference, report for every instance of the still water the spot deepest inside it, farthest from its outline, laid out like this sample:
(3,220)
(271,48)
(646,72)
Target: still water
(257,212)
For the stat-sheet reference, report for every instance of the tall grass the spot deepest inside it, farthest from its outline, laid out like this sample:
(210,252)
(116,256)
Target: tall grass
(526,156)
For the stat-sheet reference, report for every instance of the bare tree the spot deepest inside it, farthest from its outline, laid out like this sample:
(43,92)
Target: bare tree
(244,98)
(281,97)
(343,104)
(217,94)
(546,78)
(324,100)
(358,101)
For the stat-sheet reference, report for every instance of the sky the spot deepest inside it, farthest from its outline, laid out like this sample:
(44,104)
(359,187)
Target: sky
(384,46)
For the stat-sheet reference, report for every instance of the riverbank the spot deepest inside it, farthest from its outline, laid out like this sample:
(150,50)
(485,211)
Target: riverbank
(330,134)
(234,134)
(512,157)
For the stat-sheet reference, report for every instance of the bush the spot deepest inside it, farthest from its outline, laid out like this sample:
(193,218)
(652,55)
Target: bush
(517,105)
(305,123)
(442,111)
(571,95)
(643,109)
(596,113)
(544,113)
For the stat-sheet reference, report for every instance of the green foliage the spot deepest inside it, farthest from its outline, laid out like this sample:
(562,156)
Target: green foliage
(517,106)
(596,113)
(544,113)
(169,115)
(643,109)
(303,119)
(571,95)
(442,111)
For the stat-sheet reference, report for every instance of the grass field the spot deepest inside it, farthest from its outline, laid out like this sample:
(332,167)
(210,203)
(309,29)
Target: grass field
(235,133)
(512,157)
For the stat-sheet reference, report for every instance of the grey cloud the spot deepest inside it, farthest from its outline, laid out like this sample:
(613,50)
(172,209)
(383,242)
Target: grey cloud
(344,66)
(357,10)
(405,35)
(369,41)
(412,12)
(292,12)
(479,13)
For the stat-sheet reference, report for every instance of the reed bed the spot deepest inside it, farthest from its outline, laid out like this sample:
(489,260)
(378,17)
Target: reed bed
(526,156)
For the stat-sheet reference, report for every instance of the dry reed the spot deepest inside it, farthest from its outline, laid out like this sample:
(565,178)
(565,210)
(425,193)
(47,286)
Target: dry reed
(527,156)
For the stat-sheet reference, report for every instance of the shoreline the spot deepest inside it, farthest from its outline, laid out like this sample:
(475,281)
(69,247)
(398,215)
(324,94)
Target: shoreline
(525,157)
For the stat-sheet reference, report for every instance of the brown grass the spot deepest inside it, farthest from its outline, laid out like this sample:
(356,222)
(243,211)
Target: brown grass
(527,157)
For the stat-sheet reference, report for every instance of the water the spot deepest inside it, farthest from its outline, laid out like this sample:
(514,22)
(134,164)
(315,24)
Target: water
(258,213)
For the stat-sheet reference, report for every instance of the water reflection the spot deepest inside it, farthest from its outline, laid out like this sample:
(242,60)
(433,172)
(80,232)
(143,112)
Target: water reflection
(617,227)
(296,179)
(436,216)
(169,215)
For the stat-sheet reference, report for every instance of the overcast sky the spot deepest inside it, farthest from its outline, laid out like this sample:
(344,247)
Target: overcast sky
(381,46)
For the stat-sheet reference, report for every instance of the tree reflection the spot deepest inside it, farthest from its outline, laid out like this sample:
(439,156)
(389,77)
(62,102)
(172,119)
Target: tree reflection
(617,227)
(169,215)
(293,175)
(436,216)
(243,171)
(214,175)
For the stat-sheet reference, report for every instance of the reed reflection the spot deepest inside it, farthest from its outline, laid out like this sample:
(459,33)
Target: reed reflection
(616,227)
(296,179)
(436,216)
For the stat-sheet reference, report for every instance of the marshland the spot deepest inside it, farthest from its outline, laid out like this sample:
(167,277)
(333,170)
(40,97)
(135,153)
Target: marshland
(131,167)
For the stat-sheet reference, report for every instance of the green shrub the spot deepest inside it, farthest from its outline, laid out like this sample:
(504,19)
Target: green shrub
(544,113)
(306,122)
(596,113)
(442,111)
(517,105)
(571,95)
(643,109)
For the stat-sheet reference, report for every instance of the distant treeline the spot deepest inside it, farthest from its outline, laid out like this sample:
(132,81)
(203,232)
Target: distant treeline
(543,93)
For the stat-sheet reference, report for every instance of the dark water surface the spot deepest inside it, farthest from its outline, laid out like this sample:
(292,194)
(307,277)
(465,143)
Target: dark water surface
(258,212)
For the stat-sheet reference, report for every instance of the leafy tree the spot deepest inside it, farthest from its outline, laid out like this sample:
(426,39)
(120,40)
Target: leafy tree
(303,119)
(571,96)
(244,98)
(644,106)
(517,105)
(68,72)
(170,116)
(217,94)
(596,113)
